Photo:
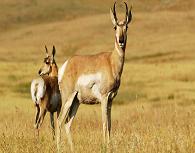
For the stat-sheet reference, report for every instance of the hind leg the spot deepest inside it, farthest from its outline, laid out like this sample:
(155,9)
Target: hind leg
(69,120)
(63,115)
(36,114)
(36,120)
(41,117)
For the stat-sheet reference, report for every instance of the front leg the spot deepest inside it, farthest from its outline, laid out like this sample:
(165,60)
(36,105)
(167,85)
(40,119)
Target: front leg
(109,106)
(52,125)
(106,118)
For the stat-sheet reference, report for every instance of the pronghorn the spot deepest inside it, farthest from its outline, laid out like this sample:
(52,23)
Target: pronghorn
(92,79)
(45,91)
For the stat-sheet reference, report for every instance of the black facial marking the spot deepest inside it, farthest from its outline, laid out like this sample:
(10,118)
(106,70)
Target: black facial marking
(47,60)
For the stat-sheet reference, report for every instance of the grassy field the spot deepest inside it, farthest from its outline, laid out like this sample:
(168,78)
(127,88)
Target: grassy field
(154,110)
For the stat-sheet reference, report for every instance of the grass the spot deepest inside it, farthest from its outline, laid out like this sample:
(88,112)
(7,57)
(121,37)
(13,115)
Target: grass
(137,127)
(155,106)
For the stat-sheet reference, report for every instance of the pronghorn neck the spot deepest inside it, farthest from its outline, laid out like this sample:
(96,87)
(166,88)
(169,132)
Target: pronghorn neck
(54,70)
(117,60)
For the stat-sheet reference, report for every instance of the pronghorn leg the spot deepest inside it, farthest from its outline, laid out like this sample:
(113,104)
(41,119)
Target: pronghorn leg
(109,119)
(36,120)
(106,118)
(58,111)
(36,114)
(59,107)
(63,116)
(52,125)
(69,119)
(41,117)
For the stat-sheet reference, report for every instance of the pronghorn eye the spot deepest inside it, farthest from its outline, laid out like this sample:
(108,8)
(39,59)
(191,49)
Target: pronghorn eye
(47,62)
(114,27)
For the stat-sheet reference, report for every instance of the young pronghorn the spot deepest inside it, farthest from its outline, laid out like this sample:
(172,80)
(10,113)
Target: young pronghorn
(45,91)
(92,79)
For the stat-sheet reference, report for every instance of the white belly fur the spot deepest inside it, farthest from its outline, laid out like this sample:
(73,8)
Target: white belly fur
(88,86)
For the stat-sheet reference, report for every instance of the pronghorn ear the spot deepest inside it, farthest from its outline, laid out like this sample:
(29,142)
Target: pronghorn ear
(46,51)
(54,51)
(129,17)
(113,17)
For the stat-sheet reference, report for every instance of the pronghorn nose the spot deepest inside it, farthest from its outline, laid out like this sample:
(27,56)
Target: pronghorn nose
(39,72)
(121,39)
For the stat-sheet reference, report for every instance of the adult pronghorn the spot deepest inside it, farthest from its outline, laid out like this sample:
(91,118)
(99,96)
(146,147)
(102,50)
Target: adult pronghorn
(45,91)
(92,79)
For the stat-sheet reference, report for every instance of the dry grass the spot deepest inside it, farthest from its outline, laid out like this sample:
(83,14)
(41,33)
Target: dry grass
(142,127)
(156,97)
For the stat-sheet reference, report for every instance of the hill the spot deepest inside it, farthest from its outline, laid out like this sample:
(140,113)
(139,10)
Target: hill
(21,13)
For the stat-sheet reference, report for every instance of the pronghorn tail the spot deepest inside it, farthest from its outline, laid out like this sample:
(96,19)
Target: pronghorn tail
(38,89)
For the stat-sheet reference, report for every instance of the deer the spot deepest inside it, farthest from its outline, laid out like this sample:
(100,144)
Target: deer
(93,79)
(45,92)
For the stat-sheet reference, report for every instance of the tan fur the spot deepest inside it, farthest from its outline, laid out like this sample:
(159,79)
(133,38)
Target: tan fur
(92,79)
(51,89)
(51,99)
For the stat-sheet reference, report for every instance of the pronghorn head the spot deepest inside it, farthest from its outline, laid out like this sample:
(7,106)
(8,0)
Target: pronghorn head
(121,26)
(49,63)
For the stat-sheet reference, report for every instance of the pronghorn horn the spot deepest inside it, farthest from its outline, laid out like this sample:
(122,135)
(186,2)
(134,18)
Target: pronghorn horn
(126,9)
(53,51)
(46,50)
(114,11)
(128,13)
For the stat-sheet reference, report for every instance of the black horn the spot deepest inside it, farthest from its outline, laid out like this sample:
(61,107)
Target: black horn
(128,13)
(114,11)
(46,50)
(126,9)
(53,51)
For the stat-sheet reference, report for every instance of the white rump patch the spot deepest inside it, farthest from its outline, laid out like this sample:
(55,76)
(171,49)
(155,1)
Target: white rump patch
(61,71)
(38,89)
(91,81)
